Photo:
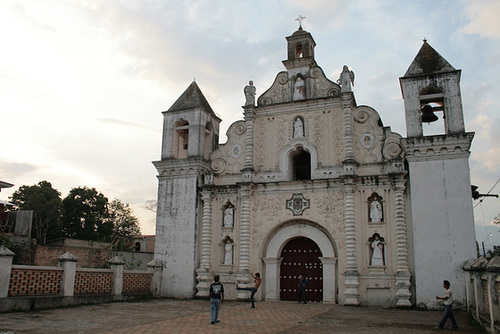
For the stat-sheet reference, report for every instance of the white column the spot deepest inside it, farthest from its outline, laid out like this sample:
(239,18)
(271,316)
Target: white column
(351,276)
(249,120)
(245,239)
(116,264)
(329,283)
(272,282)
(403,274)
(6,256)
(203,271)
(68,262)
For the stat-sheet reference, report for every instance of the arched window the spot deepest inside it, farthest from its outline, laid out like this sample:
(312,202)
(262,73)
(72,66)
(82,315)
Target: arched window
(301,164)
(432,108)
(209,136)
(180,140)
(298,50)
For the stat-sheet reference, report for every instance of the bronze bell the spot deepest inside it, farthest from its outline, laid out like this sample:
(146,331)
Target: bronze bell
(428,115)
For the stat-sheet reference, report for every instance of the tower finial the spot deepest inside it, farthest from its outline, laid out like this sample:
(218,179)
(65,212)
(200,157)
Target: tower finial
(300,19)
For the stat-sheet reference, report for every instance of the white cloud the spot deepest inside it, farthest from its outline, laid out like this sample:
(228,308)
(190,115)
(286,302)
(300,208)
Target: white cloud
(483,18)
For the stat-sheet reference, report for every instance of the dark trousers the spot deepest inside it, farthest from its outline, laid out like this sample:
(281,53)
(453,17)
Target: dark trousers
(448,313)
(302,295)
(254,290)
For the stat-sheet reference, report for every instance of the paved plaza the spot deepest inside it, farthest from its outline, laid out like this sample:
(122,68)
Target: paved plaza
(193,316)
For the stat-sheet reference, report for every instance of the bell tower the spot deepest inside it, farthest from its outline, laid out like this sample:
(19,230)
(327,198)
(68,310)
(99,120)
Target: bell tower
(439,210)
(190,134)
(300,50)
(431,85)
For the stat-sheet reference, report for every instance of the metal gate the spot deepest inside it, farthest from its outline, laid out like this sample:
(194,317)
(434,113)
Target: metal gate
(301,256)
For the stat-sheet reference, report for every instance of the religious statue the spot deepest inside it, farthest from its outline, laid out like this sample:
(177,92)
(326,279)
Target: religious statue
(229,217)
(298,128)
(375,211)
(299,92)
(345,80)
(249,94)
(377,244)
(228,251)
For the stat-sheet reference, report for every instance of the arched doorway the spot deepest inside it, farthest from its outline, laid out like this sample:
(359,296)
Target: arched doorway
(301,256)
(272,257)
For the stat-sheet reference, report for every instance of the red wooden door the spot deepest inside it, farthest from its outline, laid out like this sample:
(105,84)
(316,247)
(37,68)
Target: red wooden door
(301,256)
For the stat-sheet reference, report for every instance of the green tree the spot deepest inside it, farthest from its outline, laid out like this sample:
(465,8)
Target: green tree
(45,202)
(85,215)
(491,253)
(125,224)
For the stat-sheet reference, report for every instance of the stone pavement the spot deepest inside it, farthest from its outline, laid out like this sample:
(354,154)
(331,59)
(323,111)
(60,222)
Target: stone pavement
(193,316)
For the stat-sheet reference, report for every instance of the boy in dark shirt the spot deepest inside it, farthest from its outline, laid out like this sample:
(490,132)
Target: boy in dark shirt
(216,298)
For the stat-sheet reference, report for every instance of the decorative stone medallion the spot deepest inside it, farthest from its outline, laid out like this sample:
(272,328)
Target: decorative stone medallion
(367,140)
(236,151)
(297,204)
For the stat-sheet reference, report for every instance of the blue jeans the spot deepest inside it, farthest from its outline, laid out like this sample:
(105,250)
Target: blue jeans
(214,308)
(448,313)
(254,290)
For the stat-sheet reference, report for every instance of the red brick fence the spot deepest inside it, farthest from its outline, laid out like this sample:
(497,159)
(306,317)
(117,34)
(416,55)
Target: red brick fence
(34,287)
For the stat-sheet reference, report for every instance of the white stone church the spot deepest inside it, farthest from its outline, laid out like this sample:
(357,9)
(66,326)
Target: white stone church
(311,183)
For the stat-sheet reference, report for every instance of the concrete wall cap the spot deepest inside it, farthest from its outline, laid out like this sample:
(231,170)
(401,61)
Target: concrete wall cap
(494,264)
(155,263)
(4,251)
(116,261)
(68,257)
(480,264)
(468,264)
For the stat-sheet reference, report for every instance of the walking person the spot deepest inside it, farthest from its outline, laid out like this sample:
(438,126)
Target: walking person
(302,289)
(257,281)
(448,311)
(216,298)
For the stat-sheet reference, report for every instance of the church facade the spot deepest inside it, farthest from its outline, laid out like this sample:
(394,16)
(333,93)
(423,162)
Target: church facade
(311,183)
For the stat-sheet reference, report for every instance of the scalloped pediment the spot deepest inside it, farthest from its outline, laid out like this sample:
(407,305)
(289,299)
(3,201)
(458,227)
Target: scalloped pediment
(286,88)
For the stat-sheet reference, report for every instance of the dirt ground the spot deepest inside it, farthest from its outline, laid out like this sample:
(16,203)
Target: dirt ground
(193,316)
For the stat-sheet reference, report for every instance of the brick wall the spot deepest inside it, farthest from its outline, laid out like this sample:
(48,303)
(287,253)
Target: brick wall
(35,282)
(88,257)
(137,282)
(93,282)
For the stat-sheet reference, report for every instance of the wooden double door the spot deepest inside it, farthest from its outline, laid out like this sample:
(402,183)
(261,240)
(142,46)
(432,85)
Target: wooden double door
(301,256)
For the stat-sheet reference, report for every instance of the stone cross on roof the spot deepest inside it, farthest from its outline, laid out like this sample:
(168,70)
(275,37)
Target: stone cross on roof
(300,19)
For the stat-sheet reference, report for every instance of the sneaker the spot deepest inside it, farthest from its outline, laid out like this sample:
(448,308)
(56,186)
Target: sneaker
(437,327)
(212,322)
(217,321)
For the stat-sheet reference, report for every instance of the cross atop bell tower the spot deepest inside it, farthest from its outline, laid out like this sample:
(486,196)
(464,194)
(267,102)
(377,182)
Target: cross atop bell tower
(300,48)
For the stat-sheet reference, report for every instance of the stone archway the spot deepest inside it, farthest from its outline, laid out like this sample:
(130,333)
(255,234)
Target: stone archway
(272,258)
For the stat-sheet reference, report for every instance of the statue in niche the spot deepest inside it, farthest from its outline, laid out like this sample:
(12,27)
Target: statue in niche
(249,94)
(298,128)
(228,251)
(229,217)
(345,80)
(299,92)
(377,245)
(375,211)
(375,208)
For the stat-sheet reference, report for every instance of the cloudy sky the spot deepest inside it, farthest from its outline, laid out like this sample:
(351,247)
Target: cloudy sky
(83,83)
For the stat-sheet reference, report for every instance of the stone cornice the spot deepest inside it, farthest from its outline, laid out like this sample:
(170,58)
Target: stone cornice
(179,168)
(438,147)
(299,106)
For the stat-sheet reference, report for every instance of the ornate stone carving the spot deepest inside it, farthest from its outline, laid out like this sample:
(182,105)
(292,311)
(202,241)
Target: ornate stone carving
(392,147)
(218,165)
(297,204)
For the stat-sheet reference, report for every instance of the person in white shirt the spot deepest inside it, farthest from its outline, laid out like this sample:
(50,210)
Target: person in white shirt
(448,312)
